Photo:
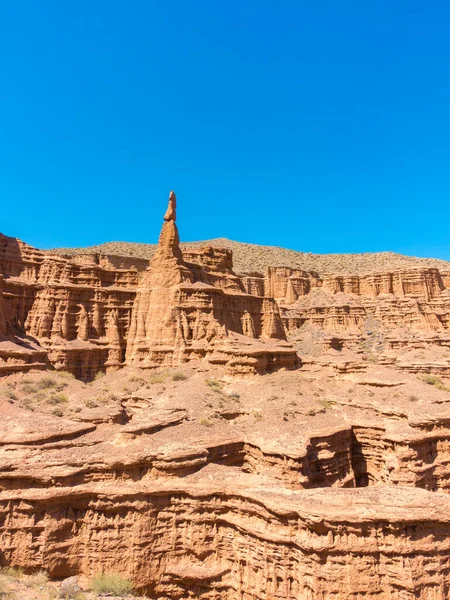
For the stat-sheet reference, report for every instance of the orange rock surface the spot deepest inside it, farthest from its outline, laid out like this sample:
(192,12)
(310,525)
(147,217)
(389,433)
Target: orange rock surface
(277,436)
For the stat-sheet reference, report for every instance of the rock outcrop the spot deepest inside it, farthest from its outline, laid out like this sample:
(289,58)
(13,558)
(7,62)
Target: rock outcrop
(75,312)
(322,482)
(93,313)
(190,310)
(382,315)
(343,496)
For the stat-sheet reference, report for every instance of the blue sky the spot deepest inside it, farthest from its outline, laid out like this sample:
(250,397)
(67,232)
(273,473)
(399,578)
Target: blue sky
(319,126)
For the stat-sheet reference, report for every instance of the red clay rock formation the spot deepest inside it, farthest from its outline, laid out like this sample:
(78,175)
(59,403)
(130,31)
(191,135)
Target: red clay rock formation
(195,309)
(248,543)
(403,310)
(87,313)
(324,499)
(325,482)
(75,312)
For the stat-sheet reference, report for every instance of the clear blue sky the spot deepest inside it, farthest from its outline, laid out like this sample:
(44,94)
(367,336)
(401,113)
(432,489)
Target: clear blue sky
(322,126)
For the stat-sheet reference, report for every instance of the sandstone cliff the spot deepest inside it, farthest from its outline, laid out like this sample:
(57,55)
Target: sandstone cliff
(92,313)
(189,310)
(335,487)
(327,478)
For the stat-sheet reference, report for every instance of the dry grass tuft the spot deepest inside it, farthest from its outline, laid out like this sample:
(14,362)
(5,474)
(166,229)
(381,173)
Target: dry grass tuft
(112,584)
(436,382)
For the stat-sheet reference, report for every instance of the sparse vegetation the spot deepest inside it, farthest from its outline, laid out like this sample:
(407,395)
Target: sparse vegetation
(157,378)
(46,383)
(205,422)
(12,572)
(179,376)
(91,403)
(15,585)
(28,388)
(57,412)
(214,384)
(27,403)
(325,404)
(99,375)
(413,398)
(66,374)
(110,583)
(38,579)
(436,382)
(252,258)
(11,395)
(58,398)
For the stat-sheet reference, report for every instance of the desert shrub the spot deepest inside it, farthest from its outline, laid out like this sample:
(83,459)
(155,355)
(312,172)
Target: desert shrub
(46,383)
(10,394)
(214,384)
(66,374)
(110,583)
(413,398)
(325,404)
(58,398)
(27,403)
(12,572)
(233,396)
(99,375)
(179,376)
(436,382)
(91,403)
(205,422)
(28,388)
(57,412)
(157,378)
(38,579)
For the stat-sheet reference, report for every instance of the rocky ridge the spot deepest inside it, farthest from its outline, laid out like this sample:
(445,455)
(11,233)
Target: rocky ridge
(254,258)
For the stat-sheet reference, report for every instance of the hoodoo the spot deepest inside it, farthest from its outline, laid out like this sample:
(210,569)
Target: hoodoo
(195,307)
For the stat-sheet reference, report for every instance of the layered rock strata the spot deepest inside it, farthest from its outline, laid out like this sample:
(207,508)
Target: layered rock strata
(93,313)
(87,313)
(249,543)
(185,310)
(345,496)
(382,315)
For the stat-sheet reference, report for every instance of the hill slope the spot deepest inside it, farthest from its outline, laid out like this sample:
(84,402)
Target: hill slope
(254,258)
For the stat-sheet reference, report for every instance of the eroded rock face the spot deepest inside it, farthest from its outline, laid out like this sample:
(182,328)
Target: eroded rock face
(91,313)
(324,482)
(326,487)
(248,543)
(400,317)
(190,310)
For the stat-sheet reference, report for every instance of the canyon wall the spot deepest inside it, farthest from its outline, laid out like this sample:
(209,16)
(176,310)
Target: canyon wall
(181,541)
(91,313)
